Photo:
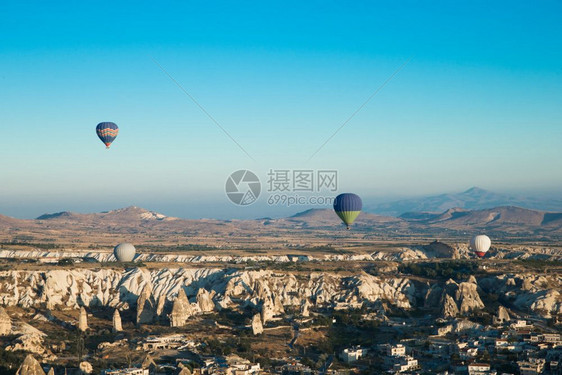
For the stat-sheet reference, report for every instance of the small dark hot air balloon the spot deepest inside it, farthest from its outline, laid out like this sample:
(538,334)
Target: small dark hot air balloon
(107,132)
(348,206)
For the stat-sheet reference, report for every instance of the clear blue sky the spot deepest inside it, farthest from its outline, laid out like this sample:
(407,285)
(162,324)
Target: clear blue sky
(479,104)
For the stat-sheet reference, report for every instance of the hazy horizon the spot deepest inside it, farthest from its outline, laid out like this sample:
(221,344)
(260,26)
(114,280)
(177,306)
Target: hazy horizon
(213,208)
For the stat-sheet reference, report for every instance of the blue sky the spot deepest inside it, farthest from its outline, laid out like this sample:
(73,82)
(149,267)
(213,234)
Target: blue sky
(478,104)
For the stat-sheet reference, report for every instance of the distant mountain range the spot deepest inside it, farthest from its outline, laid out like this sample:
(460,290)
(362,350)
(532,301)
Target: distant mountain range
(147,226)
(472,199)
(127,215)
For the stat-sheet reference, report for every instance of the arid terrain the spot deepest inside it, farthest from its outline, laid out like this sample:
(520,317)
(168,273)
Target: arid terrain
(284,292)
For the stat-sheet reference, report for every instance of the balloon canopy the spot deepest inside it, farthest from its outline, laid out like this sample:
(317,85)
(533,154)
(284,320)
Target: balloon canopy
(348,206)
(480,244)
(107,132)
(124,252)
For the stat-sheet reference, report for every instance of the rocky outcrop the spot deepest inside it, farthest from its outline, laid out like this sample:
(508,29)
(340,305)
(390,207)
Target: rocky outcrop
(459,326)
(30,366)
(86,367)
(51,371)
(535,293)
(267,310)
(83,320)
(305,309)
(149,364)
(467,296)
(73,288)
(29,340)
(160,305)
(183,370)
(181,310)
(257,326)
(402,254)
(502,316)
(454,298)
(449,309)
(146,306)
(117,327)
(205,300)
(5,322)
(438,249)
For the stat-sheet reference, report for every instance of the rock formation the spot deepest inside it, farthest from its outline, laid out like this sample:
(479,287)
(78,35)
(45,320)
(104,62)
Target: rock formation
(205,300)
(117,327)
(438,249)
(148,363)
(267,310)
(83,320)
(30,366)
(86,367)
(538,293)
(111,288)
(146,306)
(257,326)
(305,309)
(502,316)
(467,296)
(278,308)
(5,322)
(30,340)
(454,298)
(160,305)
(450,309)
(51,371)
(181,310)
(183,370)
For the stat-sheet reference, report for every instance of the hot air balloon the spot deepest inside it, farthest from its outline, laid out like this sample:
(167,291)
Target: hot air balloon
(107,132)
(480,244)
(124,252)
(348,207)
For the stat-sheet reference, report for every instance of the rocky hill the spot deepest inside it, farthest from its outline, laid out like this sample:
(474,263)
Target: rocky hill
(474,198)
(317,226)
(508,219)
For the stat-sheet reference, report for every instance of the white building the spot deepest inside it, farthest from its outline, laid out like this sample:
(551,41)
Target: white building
(480,369)
(468,353)
(126,371)
(520,324)
(352,354)
(531,367)
(405,363)
(501,344)
(398,350)
(551,338)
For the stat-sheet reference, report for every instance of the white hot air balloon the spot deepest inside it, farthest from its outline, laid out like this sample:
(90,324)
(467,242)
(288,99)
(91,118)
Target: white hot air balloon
(480,244)
(124,252)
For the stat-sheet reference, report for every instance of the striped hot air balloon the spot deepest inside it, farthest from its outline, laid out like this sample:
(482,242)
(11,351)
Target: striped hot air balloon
(107,132)
(348,206)
(480,244)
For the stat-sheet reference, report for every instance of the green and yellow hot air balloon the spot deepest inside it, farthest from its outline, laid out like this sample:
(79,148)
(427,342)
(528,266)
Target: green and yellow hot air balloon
(348,206)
